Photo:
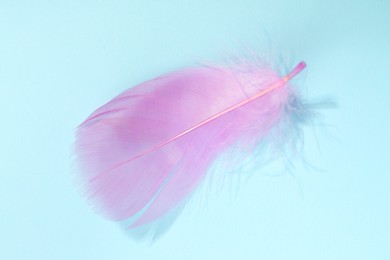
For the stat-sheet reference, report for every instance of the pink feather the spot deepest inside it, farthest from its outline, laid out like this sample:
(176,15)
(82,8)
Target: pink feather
(146,151)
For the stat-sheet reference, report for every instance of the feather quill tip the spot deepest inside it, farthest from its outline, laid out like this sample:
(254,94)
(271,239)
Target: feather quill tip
(295,71)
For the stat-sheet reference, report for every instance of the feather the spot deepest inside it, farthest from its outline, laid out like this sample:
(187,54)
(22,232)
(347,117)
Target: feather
(143,153)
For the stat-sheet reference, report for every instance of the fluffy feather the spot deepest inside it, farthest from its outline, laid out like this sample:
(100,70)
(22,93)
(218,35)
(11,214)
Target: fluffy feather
(148,149)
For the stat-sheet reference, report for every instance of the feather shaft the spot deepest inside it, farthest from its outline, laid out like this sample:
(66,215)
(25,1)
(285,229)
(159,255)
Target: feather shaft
(297,69)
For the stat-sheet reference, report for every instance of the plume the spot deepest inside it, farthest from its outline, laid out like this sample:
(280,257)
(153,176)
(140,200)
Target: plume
(147,150)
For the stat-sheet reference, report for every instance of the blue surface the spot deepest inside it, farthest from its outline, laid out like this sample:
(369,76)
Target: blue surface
(60,60)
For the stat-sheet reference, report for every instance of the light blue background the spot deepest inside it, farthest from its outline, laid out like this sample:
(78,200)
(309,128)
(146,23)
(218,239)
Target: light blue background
(60,60)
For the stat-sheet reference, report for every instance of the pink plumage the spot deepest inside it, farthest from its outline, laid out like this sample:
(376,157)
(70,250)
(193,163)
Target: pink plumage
(146,151)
